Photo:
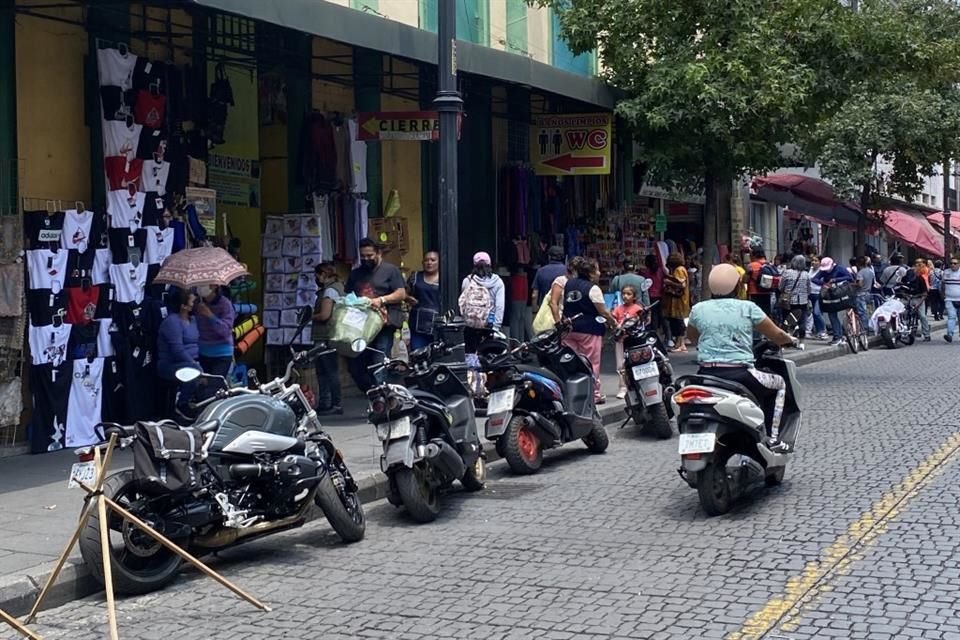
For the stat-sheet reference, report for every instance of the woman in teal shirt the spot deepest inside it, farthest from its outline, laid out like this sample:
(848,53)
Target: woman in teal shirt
(722,328)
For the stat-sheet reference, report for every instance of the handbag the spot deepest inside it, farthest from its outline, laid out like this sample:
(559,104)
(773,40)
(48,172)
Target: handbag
(673,287)
(354,321)
(838,297)
(785,298)
(543,321)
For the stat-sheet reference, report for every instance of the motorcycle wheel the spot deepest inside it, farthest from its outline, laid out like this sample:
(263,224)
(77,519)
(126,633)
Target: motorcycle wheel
(597,440)
(418,496)
(521,447)
(138,563)
(910,338)
(343,509)
(774,479)
(886,334)
(713,489)
(660,421)
(475,477)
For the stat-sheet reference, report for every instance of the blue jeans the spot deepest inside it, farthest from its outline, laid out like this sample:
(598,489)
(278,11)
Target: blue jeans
(862,309)
(836,327)
(377,349)
(951,316)
(328,381)
(818,325)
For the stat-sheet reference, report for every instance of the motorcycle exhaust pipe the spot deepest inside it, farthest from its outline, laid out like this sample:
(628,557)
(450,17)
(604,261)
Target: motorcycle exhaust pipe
(445,458)
(745,470)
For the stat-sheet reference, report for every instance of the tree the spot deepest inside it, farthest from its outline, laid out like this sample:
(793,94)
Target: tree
(897,103)
(712,89)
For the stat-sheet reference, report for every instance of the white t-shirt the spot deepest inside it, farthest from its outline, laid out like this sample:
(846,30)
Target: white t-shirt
(48,345)
(47,269)
(85,402)
(104,343)
(120,140)
(126,211)
(159,244)
(129,281)
(76,229)
(154,176)
(102,260)
(116,69)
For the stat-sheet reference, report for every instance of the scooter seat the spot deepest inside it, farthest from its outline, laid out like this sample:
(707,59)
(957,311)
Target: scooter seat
(540,371)
(719,383)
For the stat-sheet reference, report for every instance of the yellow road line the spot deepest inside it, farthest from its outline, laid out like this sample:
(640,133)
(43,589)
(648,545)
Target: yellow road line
(803,589)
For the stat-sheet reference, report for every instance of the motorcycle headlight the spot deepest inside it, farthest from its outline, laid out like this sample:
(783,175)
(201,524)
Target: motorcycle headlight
(639,356)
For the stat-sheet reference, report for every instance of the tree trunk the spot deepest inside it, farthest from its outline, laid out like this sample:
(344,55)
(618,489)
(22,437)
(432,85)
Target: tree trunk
(717,226)
(865,196)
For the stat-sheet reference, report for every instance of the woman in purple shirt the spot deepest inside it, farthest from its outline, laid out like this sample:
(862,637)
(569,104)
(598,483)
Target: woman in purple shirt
(215,316)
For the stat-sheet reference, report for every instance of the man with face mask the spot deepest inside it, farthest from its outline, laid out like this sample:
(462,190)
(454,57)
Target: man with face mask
(215,316)
(383,284)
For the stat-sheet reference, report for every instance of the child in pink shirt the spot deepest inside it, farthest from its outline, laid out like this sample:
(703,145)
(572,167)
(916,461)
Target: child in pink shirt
(629,308)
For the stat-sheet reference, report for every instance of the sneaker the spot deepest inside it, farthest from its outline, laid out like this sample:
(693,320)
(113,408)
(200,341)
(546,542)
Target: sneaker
(926,338)
(331,411)
(621,394)
(776,446)
(822,336)
(836,342)
(948,338)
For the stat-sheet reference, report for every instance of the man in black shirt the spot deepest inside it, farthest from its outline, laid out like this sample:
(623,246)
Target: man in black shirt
(383,284)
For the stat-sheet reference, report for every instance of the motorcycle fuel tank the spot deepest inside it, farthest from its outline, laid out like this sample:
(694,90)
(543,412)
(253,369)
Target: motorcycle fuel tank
(252,423)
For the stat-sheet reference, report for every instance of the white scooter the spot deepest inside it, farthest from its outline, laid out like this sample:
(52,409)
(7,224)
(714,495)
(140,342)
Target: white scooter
(723,438)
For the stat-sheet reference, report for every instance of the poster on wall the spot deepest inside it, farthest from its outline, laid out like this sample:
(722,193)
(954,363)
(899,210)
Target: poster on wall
(236,180)
(571,144)
(205,202)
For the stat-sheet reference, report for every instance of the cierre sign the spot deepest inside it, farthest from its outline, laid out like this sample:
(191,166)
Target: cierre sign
(398,125)
(571,144)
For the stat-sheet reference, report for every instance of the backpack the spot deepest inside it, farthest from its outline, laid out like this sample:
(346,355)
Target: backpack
(476,303)
(936,277)
(768,279)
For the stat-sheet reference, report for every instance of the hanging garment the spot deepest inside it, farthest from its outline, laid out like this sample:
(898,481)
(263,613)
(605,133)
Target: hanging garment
(76,229)
(11,290)
(82,304)
(358,161)
(116,103)
(47,269)
(129,280)
(319,155)
(50,386)
(119,139)
(159,244)
(48,344)
(125,207)
(149,109)
(116,68)
(341,144)
(154,176)
(85,404)
(44,306)
(43,230)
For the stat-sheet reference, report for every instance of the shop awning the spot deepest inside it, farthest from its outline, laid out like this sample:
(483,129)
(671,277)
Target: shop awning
(350,26)
(806,195)
(936,219)
(913,229)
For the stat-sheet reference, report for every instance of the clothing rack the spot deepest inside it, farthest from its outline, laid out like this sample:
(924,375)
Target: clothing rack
(50,205)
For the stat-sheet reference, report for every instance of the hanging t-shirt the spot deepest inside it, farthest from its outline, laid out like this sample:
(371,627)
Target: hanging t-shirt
(150,109)
(76,229)
(125,208)
(51,390)
(44,306)
(104,339)
(155,176)
(127,246)
(121,140)
(129,281)
(116,68)
(85,404)
(159,244)
(117,104)
(82,304)
(48,345)
(153,144)
(42,230)
(358,161)
(123,172)
(100,274)
(153,208)
(47,269)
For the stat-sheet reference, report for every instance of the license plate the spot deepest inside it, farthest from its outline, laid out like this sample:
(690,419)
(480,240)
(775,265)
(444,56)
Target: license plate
(401,428)
(697,443)
(649,370)
(500,402)
(86,472)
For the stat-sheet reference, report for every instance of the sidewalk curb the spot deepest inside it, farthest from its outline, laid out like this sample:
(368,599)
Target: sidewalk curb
(18,592)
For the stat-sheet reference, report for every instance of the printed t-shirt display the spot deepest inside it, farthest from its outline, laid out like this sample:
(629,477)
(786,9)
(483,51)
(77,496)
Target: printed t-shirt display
(47,269)
(120,140)
(122,172)
(116,68)
(125,208)
(76,229)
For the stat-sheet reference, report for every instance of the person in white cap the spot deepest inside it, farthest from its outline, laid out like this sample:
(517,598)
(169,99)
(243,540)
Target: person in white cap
(482,303)
(722,328)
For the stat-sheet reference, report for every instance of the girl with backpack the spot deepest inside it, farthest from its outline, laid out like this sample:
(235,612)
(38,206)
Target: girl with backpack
(482,303)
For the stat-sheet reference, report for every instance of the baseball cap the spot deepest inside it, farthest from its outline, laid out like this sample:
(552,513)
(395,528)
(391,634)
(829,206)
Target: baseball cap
(826,264)
(481,257)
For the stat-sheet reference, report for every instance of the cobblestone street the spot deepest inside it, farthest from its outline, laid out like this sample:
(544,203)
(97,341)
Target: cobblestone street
(859,542)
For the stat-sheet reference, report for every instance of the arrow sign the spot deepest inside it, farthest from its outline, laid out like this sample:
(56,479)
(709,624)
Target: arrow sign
(570,162)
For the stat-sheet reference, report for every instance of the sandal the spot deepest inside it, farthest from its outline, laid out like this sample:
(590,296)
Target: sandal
(679,350)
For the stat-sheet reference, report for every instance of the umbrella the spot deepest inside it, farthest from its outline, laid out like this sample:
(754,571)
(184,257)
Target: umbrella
(913,229)
(202,266)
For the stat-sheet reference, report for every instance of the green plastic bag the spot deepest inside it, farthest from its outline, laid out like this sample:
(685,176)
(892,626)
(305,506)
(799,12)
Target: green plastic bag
(352,320)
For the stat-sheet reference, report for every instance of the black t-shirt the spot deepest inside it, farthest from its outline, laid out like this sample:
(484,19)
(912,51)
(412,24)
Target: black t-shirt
(117,104)
(42,230)
(379,281)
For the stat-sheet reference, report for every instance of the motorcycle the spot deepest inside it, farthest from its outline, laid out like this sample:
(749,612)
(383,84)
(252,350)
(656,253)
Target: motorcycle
(723,439)
(895,321)
(532,408)
(428,429)
(647,375)
(250,466)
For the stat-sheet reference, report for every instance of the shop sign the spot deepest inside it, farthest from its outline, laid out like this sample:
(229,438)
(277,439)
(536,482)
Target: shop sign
(235,179)
(204,202)
(571,144)
(398,125)
(660,223)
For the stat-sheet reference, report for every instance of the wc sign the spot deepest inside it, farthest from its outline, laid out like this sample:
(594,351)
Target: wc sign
(572,144)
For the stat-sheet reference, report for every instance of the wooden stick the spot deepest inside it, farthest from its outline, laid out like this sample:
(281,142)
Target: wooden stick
(180,552)
(105,540)
(13,622)
(84,515)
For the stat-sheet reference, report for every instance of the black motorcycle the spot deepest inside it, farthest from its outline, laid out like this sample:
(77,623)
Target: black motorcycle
(532,407)
(647,376)
(428,429)
(250,466)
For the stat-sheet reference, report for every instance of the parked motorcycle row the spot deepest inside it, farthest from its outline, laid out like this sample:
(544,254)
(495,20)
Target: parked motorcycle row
(250,461)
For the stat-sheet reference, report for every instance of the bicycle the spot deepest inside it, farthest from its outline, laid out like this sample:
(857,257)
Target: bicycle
(854,331)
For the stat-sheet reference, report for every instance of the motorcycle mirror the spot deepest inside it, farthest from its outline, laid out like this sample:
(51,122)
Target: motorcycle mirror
(358,346)
(187,374)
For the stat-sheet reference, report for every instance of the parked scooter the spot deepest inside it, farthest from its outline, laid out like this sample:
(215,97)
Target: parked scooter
(895,321)
(647,375)
(723,435)
(428,430)
(532,408)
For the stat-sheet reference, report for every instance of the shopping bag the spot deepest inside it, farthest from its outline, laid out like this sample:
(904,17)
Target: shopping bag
(543,322)
(353,319)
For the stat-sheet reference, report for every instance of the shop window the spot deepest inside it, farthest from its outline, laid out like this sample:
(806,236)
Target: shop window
(473,19)
(561,56)
(372,6)
(517,26)
(758,219)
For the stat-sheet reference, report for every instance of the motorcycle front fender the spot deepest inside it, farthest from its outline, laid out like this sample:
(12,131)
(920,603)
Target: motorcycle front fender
(399,452)
(650,391)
